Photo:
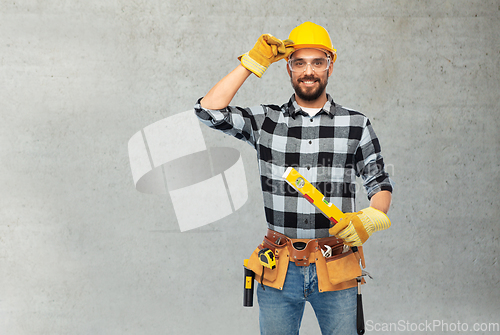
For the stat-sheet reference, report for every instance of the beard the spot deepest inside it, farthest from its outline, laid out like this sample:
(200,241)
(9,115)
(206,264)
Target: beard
(309,93)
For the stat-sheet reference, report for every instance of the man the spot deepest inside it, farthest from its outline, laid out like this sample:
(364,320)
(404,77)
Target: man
(329,145)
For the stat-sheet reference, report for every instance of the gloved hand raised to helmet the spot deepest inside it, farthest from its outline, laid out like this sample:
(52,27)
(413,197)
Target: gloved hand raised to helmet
(356,228)
(266,51)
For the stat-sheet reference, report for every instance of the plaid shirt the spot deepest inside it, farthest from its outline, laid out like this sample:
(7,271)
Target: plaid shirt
(329,149)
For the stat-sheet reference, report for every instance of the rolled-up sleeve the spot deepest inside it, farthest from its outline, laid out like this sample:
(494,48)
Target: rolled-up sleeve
(242,123)
(370,163)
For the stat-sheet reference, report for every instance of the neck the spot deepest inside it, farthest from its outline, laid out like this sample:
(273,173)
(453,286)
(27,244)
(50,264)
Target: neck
(317,103)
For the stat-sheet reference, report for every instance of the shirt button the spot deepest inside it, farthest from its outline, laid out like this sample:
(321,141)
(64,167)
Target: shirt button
(308,167)
(311,120)
(306,221)
(310,142)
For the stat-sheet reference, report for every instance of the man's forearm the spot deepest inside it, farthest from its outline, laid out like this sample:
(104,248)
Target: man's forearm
(223,92)
(381,201)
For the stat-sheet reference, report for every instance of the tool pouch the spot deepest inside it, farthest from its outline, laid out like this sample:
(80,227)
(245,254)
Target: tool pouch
(276,277)
(339,272)
(343,267)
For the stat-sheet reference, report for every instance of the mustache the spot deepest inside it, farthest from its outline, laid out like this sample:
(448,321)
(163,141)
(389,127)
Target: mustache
(309,78)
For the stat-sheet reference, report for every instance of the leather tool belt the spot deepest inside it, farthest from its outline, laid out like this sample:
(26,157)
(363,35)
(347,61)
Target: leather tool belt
(336,272)
(302,251)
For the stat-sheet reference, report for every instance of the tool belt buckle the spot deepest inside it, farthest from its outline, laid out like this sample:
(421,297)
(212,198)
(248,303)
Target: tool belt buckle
(300,252)
(302,262)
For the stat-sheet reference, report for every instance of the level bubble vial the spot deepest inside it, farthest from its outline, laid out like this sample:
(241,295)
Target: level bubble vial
(300,182)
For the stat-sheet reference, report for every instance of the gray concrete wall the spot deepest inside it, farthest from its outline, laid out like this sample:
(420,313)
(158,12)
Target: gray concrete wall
(83,252)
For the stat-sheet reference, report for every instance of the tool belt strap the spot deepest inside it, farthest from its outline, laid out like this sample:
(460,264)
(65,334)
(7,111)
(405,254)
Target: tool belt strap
(302,251)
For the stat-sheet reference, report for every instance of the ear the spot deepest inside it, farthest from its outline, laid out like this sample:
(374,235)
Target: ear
(330,69)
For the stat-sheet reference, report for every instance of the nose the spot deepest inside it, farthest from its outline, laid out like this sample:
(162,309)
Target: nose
(309,69)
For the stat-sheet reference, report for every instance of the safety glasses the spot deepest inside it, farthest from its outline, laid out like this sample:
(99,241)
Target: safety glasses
(317,64)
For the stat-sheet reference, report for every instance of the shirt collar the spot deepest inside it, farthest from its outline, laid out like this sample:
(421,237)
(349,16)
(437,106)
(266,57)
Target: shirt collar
(293,109)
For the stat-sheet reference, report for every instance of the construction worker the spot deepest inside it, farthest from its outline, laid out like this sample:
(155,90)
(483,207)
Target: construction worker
(329,145)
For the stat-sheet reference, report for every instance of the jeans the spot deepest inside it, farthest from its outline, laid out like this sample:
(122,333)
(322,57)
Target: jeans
(281,311)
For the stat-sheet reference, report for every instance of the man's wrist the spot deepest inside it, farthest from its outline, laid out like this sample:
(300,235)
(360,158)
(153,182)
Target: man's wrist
(253,66)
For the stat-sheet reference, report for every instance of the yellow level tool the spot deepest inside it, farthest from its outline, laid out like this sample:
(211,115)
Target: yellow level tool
(311,193)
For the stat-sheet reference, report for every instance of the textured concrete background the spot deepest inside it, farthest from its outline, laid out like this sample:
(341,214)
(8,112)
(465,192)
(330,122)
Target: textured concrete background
(82,252)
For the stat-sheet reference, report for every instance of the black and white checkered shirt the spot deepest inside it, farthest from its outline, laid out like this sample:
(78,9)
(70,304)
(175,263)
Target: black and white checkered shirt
(329,149)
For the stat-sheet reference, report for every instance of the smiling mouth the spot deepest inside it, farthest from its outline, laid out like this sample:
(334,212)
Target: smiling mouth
(308,82)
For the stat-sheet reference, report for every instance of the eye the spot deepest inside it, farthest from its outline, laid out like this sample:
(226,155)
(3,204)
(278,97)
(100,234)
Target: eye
(319,62)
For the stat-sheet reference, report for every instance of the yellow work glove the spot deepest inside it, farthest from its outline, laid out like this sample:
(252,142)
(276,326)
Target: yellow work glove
(266,51)
(356,228)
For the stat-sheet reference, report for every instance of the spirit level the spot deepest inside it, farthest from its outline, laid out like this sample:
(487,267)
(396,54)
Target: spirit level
(311,193)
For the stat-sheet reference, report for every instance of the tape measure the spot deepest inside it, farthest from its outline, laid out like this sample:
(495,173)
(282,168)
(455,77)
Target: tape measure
(266,258)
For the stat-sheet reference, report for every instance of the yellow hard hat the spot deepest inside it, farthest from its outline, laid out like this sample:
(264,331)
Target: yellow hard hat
(311,35)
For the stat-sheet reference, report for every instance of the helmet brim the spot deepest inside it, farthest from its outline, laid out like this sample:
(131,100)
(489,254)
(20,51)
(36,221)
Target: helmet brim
(332,52)
(313,46)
